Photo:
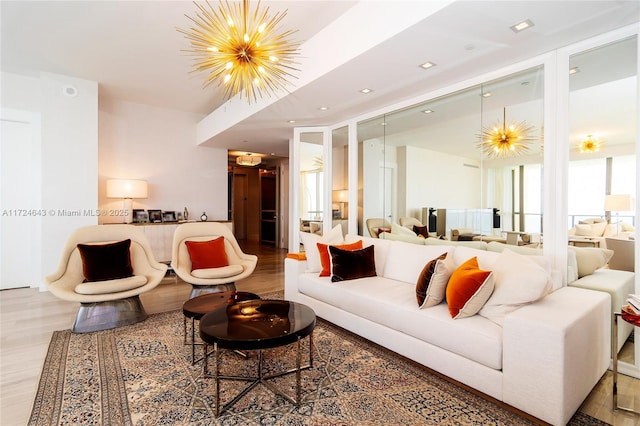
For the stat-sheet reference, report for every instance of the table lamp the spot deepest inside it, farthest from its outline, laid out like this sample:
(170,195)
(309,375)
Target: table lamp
(340,197)
(127,189)
(619,203)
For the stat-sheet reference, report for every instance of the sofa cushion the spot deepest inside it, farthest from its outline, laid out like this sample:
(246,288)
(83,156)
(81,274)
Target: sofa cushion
(219,272)
(402,230)
(102,262)
(590,258)
(590,229)
(432,282)
(572,266)
(468,289)
(486,259)
(393,304)
(499,247)
(519,280)
(381,248)
(111,286)
(406,261)
(310,241)
(352,264)
(325,257)
(207,254)
(480,245)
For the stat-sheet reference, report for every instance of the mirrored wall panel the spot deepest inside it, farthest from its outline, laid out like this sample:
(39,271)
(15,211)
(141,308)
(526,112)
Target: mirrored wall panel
(602,165)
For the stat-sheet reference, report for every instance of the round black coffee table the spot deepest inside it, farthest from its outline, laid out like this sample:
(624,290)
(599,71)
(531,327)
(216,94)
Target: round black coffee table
(198,306)
(257,325)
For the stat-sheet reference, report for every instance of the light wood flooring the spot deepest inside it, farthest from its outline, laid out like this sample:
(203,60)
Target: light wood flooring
(28,317)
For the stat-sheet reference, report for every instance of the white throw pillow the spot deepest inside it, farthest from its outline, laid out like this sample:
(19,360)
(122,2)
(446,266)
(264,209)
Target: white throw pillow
(591,230)
(309,241)
(519,280)
(572,266)
(397,229)
(590,258)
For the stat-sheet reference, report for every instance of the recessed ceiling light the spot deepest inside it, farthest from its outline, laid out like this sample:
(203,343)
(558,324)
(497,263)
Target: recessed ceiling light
(574,70)
(487,94)
(292,121)
(521,26)
(323,108)
(428,111)
(383,123)
(365,91)
(427,65)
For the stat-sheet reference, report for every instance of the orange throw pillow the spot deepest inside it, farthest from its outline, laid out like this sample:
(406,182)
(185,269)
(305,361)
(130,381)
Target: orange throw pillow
(468,289)
(207,254)
(325,257)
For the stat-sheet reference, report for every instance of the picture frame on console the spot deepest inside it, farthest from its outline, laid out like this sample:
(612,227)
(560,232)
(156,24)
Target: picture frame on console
(140,216)
(169,216)
(155,216)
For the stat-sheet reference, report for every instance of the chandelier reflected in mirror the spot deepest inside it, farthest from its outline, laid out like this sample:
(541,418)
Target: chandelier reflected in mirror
(589,145)
(241,49)
(506,139)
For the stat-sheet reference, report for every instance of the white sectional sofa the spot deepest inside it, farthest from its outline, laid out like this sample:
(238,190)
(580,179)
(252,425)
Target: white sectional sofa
(587,268)
(543,358)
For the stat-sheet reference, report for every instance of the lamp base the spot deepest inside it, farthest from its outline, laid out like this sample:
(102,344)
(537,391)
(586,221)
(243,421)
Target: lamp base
(127,205)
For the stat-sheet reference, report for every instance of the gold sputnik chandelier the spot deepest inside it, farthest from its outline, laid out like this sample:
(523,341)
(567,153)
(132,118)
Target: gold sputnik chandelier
(589,145)
(241,49)
(506,139)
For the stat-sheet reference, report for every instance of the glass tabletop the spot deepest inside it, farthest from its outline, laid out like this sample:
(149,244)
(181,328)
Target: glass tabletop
(257,324)
(200,305)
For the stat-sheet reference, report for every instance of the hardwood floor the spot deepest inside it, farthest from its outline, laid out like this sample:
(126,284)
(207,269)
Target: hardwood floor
(28,317)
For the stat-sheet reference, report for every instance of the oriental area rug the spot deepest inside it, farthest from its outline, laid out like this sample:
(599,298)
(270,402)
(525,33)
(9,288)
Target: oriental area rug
(142,375)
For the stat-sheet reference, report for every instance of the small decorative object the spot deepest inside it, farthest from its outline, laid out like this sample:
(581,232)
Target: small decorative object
(155,216)
(140,216)
(203,217)
(179,217)
(186,214)
(168,216)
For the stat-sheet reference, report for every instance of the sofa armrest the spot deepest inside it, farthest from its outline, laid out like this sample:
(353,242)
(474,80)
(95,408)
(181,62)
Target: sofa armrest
(555,351)
(293,268)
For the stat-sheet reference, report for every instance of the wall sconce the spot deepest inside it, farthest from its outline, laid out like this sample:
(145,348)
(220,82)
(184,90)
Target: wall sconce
(340,197)
(127,189)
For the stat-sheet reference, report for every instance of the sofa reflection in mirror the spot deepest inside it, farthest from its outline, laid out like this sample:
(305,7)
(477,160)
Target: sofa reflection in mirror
(595,231)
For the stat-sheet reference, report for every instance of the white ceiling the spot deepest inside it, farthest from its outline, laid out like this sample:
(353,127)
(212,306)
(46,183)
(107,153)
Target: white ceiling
(134,51)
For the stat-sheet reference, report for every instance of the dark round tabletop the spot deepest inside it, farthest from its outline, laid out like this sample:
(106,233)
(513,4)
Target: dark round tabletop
(198,306)
(257,324)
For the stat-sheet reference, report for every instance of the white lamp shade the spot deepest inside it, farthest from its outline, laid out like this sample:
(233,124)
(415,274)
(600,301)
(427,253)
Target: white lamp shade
(340,196)
(619,203)
(126,188)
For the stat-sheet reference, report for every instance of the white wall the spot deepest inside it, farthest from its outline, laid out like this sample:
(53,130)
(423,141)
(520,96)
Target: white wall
(158,145)
(65,148)
(440,180)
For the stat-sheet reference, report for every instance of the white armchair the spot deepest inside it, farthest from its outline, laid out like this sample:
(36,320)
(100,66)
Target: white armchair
(240,265)
(109,303)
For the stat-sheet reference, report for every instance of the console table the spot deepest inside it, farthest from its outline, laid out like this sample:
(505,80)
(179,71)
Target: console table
(160,236)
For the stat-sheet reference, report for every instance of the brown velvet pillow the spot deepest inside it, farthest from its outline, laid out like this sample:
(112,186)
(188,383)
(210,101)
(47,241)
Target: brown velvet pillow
(432,282)
(421,230)
(352,264)
(101,262)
